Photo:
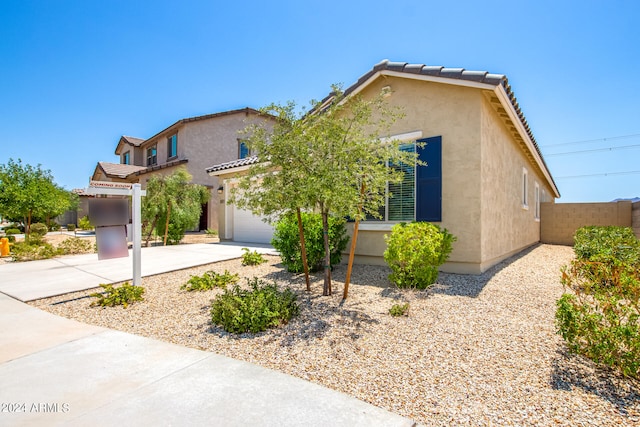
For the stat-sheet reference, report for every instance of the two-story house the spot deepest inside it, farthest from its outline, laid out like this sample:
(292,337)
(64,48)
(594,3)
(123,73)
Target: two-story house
(193,142)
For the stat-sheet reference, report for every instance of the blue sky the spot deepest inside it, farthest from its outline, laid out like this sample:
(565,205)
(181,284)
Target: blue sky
(76,75)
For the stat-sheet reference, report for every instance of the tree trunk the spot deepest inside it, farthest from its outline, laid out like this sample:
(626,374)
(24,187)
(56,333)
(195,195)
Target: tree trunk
(153,225)
(303,250)
(166,226)
(354,240)
(28,229)
(326,289)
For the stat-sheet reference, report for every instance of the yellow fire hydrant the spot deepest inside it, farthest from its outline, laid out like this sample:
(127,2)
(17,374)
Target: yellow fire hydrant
(4,246)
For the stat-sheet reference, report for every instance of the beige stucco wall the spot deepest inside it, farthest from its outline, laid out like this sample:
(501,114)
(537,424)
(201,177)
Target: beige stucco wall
(561,220)
(507,225)
(451,112)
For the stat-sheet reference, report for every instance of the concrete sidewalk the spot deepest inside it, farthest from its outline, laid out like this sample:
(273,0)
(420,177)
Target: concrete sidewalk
(27,281)
(56,371)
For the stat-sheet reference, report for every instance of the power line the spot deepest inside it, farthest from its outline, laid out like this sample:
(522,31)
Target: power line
(598,174)
(611,138)
(624,147)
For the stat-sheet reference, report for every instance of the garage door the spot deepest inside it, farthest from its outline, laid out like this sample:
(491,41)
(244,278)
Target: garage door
(250,228)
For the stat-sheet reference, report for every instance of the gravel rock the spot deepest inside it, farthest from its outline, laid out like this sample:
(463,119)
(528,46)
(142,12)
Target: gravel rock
(474,350)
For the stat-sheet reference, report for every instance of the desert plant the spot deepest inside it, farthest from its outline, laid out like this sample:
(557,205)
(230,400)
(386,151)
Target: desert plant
(123,295)
(210,280)
(84,223)
(75,245)
(398,310)
(414,252)
(600,315)
(38,230)
(252,258)
(286,240)
(71,227)
(32,250)
(263,306)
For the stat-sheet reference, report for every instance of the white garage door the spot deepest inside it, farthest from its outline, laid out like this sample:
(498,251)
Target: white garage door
(250,228)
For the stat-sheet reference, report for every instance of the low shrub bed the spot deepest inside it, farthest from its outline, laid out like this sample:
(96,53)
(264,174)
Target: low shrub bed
(600,315)
(414,253)
(286,239)
(255,310)
(210,280)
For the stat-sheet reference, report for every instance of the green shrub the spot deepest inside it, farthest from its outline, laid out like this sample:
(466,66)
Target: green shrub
(286,239)
(252,258)
(414,252)
(11,238)
(607,244)
(600,317)
(15,225)
(71,227)
(211,232)
(10,231)
(38,230)
(75,245)
(398,310)
(85,224)
(210,280)
(264,306)
(54,226)
(123,295)
(32,250)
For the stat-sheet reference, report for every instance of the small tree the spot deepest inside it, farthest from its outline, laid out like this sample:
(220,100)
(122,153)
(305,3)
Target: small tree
(331,160)
(28,192)
(173,203)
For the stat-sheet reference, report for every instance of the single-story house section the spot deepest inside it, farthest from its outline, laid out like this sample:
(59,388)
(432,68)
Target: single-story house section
(485,176)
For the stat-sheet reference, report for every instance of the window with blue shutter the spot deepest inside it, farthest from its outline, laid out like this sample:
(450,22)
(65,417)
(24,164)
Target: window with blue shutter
(429,180)
(419,195)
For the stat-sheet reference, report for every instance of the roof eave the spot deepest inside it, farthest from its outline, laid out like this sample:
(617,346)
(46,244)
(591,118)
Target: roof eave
(502,95)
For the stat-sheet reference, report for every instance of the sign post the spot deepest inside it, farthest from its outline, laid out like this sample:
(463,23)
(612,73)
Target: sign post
(136,192)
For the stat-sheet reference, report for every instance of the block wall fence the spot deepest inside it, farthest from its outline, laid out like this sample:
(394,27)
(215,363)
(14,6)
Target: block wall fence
(559,221)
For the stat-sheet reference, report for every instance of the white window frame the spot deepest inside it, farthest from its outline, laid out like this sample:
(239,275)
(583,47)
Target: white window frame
(152,159)
(524,186)
(384,224)
(170,139)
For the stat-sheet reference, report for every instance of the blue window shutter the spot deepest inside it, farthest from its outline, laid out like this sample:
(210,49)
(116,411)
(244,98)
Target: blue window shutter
(429,180)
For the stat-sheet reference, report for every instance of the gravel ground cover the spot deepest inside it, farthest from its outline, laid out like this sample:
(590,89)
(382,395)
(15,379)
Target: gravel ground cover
(473,350)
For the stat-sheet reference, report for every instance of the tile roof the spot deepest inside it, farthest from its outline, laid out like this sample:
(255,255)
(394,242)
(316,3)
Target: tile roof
(452,73)
(246,110)
(136,142)
(119,170)
(447,73)
(233,164)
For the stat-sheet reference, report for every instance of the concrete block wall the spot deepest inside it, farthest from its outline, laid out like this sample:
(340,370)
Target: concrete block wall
(635,218)
(559,221)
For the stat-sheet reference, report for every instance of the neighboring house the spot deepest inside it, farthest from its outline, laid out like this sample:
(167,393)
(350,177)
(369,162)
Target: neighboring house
(194,142)
(485,175)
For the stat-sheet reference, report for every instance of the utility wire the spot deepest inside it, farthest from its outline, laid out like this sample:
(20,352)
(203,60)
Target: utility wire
(598,174)
(586,141)
(624,147)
